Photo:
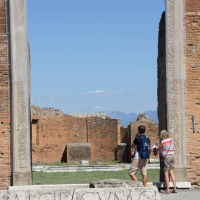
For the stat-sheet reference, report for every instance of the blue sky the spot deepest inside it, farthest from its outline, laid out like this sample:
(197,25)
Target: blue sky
(94,55)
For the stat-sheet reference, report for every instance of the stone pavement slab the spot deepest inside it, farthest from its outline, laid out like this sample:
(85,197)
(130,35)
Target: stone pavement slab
(183,194)
(123,193)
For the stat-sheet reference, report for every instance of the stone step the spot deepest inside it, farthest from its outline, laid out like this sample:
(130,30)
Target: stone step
(88,168)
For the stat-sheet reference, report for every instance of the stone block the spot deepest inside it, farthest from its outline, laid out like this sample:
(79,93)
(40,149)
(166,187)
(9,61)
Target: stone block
(121,152)
(115,183)
(57,192)
(84,162)
(78,151)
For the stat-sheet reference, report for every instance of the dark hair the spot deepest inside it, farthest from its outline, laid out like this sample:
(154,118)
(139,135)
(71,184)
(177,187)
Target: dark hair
(141,129)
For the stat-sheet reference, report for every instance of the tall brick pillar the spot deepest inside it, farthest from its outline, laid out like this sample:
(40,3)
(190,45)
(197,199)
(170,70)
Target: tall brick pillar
(15,151)
(175,69)
(5,156)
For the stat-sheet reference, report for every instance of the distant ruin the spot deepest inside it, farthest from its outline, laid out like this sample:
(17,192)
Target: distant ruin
(95,137)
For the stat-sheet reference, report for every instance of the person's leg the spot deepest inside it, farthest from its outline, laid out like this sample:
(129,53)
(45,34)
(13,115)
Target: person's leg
(171,172)
(134,169)
(133,177)
(166,173)
(144,180)
(143,169)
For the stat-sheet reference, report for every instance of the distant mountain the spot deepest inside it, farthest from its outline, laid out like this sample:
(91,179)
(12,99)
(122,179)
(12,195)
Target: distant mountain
(125,119)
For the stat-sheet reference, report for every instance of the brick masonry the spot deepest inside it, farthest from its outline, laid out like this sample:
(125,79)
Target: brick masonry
(192,71)
(51,134)
(56,135)
(5,157)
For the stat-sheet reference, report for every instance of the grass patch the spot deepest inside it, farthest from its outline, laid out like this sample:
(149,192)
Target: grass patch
(43,178)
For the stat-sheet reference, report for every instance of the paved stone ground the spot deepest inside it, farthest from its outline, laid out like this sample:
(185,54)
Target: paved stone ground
(183,194)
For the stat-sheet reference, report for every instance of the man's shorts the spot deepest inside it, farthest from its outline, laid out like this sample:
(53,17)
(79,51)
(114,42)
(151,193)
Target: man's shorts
(137,164)
(169,162)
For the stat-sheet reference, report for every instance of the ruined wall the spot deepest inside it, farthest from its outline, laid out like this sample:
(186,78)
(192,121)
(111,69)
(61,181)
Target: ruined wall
(123,151)
(192,107)
(52,130)
(161,74)
(103,135)
(5,158)
(59,137)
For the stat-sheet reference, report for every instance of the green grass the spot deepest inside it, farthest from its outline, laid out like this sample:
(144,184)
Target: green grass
(43,178)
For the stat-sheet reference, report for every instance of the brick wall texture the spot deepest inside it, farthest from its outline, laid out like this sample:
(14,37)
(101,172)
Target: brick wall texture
(192,5)
(5,159)
(55,136)
(53,132)
(192,107)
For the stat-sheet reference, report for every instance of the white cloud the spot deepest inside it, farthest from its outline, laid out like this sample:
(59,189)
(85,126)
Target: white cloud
(97,107)
(103,93)
(51,97)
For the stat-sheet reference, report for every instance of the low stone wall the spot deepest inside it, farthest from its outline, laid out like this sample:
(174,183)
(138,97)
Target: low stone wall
(54,192)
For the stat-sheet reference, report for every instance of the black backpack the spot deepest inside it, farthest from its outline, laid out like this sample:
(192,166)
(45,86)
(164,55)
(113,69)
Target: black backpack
(143,147)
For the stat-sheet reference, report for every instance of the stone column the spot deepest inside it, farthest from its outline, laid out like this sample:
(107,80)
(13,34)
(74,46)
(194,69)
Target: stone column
(175,68)
(21,145)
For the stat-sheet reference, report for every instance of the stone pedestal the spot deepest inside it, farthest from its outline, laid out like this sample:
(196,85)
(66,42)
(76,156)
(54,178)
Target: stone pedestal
(121,152)
(78,151)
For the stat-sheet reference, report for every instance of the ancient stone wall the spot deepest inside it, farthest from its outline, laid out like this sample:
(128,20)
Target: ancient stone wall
(56,135)
(5,157)
(52,131)
(192,107)
(103,136)
(123,148)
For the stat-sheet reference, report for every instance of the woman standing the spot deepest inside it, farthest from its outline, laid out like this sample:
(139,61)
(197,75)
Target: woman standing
(167,153)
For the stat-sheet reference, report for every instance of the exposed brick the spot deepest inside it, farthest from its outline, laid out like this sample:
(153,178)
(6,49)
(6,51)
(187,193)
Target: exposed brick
(5,175)
(193,88)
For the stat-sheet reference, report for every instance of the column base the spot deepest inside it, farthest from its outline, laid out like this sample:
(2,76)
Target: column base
(22,178)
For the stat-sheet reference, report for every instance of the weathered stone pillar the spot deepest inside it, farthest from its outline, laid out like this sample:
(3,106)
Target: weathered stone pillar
(175,68)
(21,145)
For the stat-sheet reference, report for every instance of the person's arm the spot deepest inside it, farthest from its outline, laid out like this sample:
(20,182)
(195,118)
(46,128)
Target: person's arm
(133,147)
(159,147)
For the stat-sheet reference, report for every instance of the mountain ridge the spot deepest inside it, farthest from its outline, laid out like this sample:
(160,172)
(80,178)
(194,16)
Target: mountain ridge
(125,119)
